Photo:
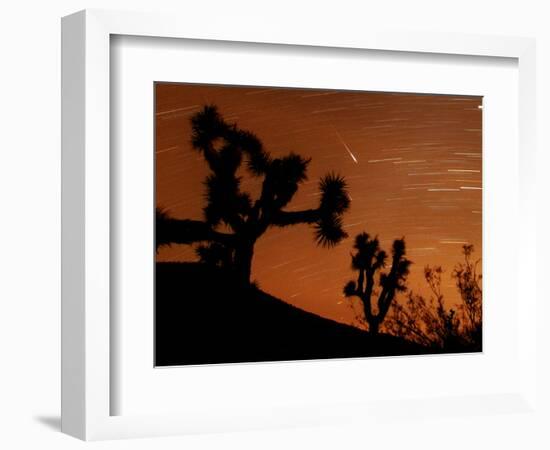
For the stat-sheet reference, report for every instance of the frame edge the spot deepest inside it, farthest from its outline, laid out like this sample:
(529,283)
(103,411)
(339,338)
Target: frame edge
(73,83)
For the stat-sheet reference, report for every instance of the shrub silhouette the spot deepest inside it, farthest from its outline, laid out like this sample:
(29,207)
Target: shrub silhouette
(429,322)
(468,283)
(368,260)
(226,148)
(426,321)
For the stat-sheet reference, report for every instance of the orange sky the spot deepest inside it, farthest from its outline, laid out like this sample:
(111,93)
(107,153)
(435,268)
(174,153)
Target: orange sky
(412,162)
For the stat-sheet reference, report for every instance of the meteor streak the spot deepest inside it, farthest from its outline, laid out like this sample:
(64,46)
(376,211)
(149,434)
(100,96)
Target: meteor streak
(346,147)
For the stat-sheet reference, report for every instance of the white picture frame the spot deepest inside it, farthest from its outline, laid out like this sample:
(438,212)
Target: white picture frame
(86,326)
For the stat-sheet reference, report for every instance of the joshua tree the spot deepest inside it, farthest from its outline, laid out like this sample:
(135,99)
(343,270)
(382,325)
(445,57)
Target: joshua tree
(233,220)
(368,260)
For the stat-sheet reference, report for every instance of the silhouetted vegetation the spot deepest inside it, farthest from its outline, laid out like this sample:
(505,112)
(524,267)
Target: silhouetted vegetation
(368,260)
(468,281)
(430,322)
(233,221)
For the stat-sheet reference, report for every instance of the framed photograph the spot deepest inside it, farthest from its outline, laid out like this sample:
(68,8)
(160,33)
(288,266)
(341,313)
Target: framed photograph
(263,229)
(262,244)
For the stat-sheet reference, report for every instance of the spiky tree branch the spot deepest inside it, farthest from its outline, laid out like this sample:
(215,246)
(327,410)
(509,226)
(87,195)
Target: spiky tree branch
(177,231)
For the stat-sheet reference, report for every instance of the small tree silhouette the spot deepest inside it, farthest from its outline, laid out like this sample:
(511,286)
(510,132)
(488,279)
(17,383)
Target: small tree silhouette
(225,148)
(368,260)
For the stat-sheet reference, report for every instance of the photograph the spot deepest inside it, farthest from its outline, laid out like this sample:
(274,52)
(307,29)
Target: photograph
(310,224)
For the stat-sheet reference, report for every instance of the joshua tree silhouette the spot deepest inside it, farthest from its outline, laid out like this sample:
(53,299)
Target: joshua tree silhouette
(225,148)
(368,260)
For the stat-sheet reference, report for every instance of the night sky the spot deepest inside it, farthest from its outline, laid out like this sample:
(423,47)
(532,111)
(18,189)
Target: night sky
(412,162)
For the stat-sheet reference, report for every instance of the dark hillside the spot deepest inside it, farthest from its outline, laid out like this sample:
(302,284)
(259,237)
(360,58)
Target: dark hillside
(201,319)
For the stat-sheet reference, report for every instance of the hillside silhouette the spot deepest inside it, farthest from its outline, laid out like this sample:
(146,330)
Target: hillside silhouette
(203,316)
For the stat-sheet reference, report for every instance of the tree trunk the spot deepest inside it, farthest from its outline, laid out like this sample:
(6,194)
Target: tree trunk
(243,262)
(372,320)
(374,325)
